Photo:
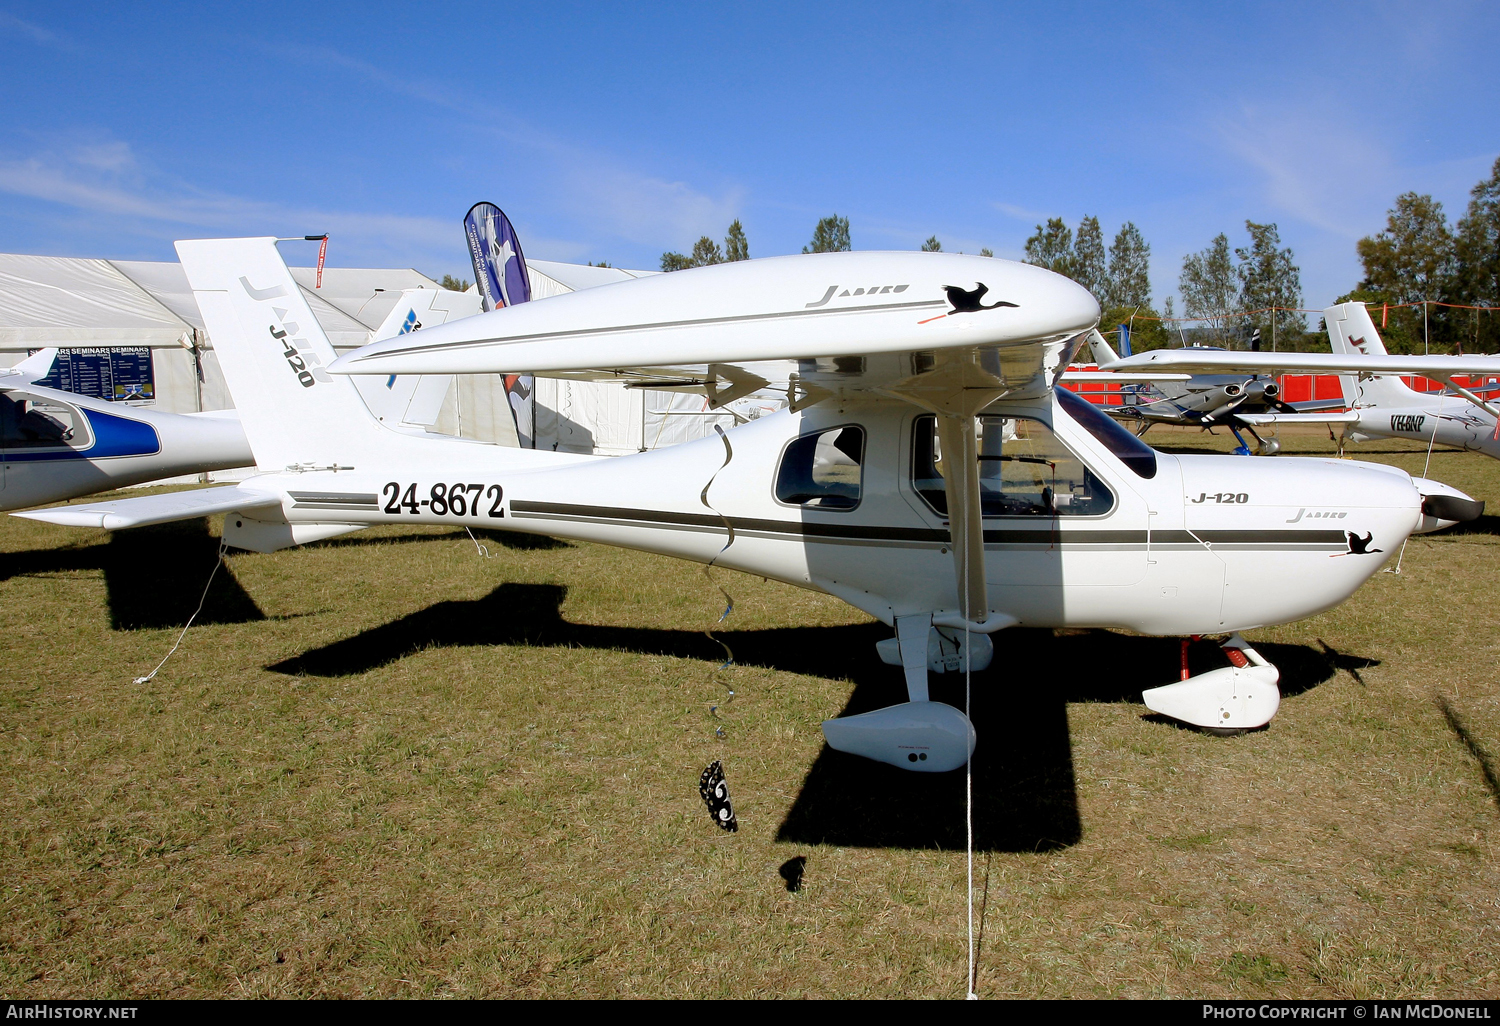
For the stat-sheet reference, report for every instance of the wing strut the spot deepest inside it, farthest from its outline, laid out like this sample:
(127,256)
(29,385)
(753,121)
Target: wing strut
(956,409)
(1486,407)
(960,448)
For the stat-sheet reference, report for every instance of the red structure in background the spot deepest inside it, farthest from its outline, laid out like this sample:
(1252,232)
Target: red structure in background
(1295,388)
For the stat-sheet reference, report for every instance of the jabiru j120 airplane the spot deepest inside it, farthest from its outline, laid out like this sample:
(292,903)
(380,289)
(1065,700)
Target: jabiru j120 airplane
(927,471)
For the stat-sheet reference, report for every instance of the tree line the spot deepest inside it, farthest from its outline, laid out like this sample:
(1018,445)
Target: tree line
(706,251)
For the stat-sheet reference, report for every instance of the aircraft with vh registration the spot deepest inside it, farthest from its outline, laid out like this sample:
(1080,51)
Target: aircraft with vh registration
(1385,406)
(927,471)
(1381,405)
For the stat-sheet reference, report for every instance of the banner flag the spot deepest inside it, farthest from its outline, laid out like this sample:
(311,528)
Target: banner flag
(500,271)
(322,241)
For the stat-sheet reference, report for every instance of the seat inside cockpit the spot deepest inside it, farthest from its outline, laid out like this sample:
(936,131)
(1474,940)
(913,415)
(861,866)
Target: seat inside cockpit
(1024,471)
(29,423)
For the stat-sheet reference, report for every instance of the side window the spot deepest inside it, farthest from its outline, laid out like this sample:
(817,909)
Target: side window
(1024,471)
(30,423)
(822,471)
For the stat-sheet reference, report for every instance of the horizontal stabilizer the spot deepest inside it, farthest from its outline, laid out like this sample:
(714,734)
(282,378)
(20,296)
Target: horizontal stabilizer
(155,509)
(1095,377)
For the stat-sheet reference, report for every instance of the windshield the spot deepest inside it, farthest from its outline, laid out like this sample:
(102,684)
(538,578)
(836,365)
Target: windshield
(1132,452)
(1024,471)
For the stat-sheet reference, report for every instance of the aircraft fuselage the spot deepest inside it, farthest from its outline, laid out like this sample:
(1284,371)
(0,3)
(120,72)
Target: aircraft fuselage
(1448,420)
(99,446)
(1206,544)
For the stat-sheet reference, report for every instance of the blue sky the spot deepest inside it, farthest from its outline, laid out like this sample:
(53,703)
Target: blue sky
(614,132)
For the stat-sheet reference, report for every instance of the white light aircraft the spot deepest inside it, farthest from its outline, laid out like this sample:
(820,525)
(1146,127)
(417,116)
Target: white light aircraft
(1381,405)
(1384,406)
(926,472)
(56,445)
(1203,400)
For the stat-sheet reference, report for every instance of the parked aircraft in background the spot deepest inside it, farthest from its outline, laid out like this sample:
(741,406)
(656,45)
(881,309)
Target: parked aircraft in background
(56,445)
(1384,406)
(412,402)
(1202,400)
(927,470)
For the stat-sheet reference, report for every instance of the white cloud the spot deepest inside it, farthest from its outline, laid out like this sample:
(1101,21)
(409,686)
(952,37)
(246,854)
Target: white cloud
(32,31)
(105,155)
(103,181)
(594,187)
(1020,213)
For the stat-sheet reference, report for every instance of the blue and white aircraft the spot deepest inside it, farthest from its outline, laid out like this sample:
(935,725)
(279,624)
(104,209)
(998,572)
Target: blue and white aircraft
(56,445)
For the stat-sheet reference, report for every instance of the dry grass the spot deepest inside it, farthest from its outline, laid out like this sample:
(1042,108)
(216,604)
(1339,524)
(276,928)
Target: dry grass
(384,766)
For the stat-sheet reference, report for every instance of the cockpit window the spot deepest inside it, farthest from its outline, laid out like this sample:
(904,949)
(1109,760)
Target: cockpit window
(30,423)
(822,470)
(1132,452)
(1024,471)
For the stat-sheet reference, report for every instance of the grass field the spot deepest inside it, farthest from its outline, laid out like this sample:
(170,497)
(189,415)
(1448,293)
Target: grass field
(387,766)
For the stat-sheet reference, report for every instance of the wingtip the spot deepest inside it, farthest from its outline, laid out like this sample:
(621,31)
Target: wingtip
(65,518)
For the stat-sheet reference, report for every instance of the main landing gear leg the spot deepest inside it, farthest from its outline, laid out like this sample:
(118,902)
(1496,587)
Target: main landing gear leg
(920,735)
(1231,700)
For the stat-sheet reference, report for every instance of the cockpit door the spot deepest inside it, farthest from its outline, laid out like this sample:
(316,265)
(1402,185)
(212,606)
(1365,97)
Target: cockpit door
(1054,512)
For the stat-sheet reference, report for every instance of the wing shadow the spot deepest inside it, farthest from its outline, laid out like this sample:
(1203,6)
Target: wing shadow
(530,614)
(153,576)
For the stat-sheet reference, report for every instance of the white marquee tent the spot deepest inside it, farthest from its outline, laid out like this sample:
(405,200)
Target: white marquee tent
(94,304)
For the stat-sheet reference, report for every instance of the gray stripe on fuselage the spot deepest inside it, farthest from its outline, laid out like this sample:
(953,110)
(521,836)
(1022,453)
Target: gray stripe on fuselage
(334,500)
(1093,540)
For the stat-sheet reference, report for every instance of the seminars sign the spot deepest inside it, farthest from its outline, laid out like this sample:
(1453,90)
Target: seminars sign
(119,374)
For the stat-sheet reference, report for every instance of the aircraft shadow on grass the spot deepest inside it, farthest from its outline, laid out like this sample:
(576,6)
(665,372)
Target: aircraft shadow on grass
(1025,796)
(153,576)
(1487,523)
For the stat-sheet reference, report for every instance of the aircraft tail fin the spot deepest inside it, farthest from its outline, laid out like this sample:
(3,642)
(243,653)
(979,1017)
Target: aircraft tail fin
(1103,353)
(1351,332)
(414,399)
(274,355)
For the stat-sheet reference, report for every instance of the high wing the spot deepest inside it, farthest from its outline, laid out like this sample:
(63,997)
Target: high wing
(1097,377)
(825,324)
(1209,361)
(1332,417)
(946,332)
(155,509)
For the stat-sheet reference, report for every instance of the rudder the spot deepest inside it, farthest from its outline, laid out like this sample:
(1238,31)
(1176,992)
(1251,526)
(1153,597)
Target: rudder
(274,353)
(1351,332)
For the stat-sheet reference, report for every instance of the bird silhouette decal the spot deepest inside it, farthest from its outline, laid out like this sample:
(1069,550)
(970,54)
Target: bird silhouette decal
(1360,546)
(971,300)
